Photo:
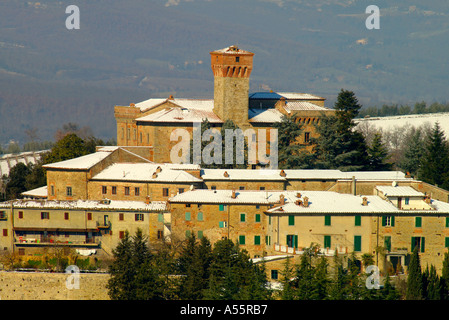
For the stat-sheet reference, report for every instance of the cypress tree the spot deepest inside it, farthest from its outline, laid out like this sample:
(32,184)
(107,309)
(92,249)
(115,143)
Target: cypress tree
(415,278)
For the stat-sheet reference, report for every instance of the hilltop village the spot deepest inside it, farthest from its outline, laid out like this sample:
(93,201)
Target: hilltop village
(90,202)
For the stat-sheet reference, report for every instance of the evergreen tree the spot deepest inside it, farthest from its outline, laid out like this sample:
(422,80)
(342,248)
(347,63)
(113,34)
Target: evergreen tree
(321,280)
(69,147)
(291,153)
(17,181)
(389,292)
(432,284)
(339,283)
(445,277)
(415,278)
(413,154)
(435,161)
(338,145)
(287,275)
(378,155)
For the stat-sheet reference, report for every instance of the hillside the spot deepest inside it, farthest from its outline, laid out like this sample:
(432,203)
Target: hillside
(128,51)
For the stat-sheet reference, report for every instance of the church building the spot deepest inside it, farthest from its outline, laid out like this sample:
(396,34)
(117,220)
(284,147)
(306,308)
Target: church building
(149,123)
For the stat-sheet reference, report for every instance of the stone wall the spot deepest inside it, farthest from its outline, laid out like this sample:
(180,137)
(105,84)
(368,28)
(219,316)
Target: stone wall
(51,286)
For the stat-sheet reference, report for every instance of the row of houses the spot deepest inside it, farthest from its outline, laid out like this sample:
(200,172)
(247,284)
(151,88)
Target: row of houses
(91,201)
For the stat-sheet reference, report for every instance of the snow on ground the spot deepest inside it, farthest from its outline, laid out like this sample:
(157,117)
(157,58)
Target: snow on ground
(416,120)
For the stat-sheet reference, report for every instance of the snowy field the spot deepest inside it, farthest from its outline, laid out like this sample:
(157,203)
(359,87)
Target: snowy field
(416,120)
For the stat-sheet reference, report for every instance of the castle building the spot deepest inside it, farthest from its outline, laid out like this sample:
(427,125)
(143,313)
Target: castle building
(150,123)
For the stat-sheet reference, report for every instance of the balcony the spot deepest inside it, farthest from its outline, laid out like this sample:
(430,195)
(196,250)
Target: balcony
(103,224)
(3,216)
(324,251)
(48,241)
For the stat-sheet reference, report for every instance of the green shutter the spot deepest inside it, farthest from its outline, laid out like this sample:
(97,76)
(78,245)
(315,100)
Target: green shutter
(327,241)
(423,246)
(447,222)
(257,217)
(327,220)
(384,221)
(200,216)
(200,234)
(418,222)
(221,224)
(291,220)
(242,217)
(257,240)
(413,244)
(187,216)
(392,221)
(446,242)
(358,221)
(221,207)
(160,217)
(387,243)
(357,243)
(242,240)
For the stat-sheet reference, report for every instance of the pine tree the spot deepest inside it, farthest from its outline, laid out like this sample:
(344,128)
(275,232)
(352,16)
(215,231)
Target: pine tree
(338,145)
(415,278)
(287,275)
(435,161)
(445,277)
(414,152)
(378,155)
(291,154)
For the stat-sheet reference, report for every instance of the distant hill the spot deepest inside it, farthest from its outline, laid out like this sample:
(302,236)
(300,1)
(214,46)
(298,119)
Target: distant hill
(128,51)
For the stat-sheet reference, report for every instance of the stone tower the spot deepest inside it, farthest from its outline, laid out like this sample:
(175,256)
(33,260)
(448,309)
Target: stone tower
(232,68)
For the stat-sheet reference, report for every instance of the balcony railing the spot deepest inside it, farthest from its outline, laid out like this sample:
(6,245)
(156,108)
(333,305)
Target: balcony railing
(90,242)
(103,224)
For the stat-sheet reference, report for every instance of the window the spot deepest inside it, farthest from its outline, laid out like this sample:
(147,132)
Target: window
(327,220)
(388,221)
(268,240)
(407,201)
(222,224)
(256,240)
(69,191)
(126,191)
(66,216)
(327,241)
(306,137)
(45,215)
(213,187)
(52,190)
(160,234)
(261,188)
(139,217)
(187,205)
(447,222)
(165,192)
(114,190)
(121,216)
(242,240)
(387,243)
(188,233)
(187,216)
(357,243)
(242,217)
(418,222)
(358,221)
(241,188)
(221,207)
(292,241)
(89,216)
(104,189)
(5,232)
(257,217)
(418,242)
(181,190)
(200,234)
(446,242)
(121,234)
(137,191)
(291,220)
(160,217)
(237,59)
(200,216)
(274,274)
(20,214)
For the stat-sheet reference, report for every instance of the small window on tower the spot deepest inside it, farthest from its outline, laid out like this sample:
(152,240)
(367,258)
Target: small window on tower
(237,59)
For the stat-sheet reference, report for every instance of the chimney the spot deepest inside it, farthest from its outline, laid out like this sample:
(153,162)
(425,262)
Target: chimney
(354,188)
(226,174)
(132,105)
(283,174)
(154,175)
(158,169)
(233,195)
(147,200)
(298,195)
(282,199)
(171,97)
(306,202)
(428,199)
(298,202)
(407,175)
(364,201)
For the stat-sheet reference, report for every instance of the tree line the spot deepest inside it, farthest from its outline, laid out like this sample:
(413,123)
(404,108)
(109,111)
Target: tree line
(396,110)
(197,270)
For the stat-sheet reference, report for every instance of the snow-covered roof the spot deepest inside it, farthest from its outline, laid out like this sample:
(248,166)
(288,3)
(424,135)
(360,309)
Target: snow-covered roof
(399,191)
(299,96)
(87,205)
(232,50)
(269,115)
(81,163)
(40,192)
(144,172)
(241,174)
(225,197)
(292,106)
